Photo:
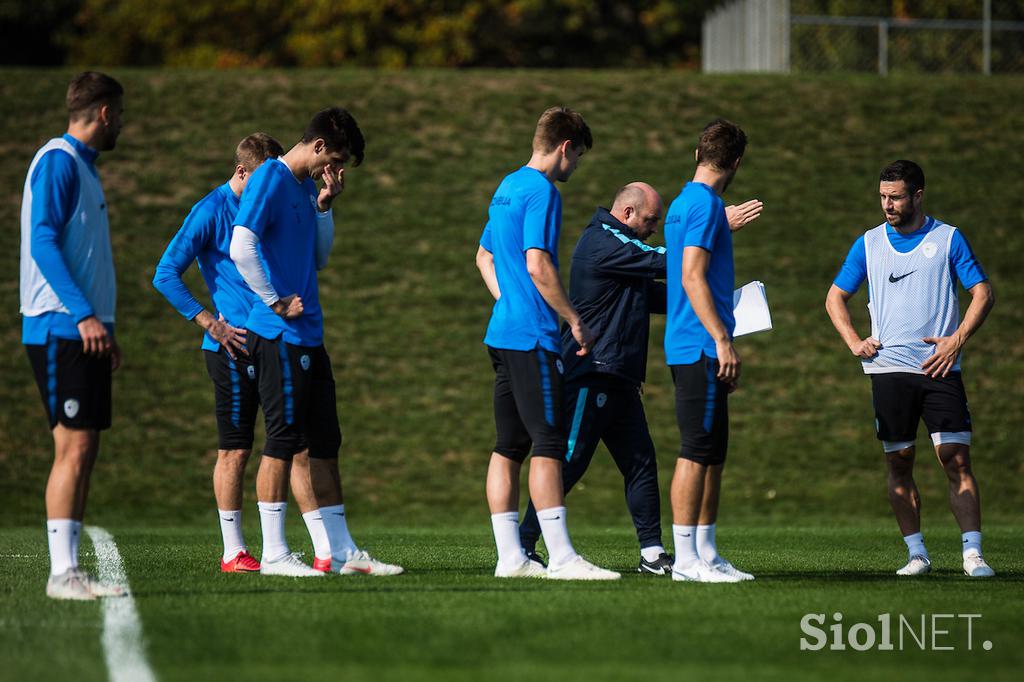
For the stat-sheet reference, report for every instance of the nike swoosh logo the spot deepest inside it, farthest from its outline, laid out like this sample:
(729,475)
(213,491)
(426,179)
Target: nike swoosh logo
(894,279)
(365,571)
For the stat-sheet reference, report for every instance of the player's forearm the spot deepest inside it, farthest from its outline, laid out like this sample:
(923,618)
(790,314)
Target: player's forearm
(485,264)
(699,294)
(324,237)
(250,267)
(839,314)
(982,300)
(545,278)
(45,251)
(167,280)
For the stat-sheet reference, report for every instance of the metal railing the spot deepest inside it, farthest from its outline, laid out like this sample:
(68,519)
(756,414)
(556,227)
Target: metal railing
(763,35)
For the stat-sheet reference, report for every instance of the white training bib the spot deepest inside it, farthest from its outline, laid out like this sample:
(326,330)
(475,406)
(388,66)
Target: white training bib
(84,244)
(913,296)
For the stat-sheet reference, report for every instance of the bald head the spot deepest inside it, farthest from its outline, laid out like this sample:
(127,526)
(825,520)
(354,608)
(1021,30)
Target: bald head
(638,206)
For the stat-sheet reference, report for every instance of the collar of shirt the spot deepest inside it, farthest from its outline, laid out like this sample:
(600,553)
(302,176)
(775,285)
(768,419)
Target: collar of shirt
(229,194)
(604,216)
(85,151)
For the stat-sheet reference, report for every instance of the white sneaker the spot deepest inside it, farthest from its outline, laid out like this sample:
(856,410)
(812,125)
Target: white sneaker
(289,565)
(527,569)
(918,565)
(69,585)
(97,588)
(362,563)
(723,566)
(702,572)
(580,569)
(975,566)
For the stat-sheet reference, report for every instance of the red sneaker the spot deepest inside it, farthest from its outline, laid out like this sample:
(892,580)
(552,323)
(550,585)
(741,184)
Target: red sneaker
(242,563)
(323,565)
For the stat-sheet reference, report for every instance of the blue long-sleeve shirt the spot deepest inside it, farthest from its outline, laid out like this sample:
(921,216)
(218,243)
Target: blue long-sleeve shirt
(55,189)
(205,236)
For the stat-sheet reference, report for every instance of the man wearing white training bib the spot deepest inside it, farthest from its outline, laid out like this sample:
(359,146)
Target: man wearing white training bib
(912,263)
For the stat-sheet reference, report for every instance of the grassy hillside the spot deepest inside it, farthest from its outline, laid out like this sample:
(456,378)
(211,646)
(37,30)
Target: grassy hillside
(405,310)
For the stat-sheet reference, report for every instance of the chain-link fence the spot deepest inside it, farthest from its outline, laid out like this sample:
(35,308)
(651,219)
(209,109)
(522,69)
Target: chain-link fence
(882,36)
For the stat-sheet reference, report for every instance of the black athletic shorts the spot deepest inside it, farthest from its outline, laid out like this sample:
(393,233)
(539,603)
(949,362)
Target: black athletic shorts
(902,399)
(75,387)
(702,411)
(236,398)
(528,406)
(296,389)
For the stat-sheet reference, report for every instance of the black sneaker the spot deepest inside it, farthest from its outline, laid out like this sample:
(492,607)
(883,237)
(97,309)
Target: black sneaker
(660,566)
(533,556)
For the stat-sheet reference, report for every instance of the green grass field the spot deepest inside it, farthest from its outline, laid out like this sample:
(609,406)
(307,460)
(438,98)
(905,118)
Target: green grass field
(804,502)
(448,619)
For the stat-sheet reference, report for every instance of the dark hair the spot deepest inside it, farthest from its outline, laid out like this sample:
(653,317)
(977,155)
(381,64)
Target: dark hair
(255,149)
(339,130)
(558,124)
(907,171)
(721,144)
(90,90)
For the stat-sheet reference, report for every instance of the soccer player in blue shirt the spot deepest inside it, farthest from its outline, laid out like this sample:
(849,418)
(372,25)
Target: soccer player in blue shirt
(518,260)
(205,237)
(912,263)
(699,350)
(278,249)
(68,295)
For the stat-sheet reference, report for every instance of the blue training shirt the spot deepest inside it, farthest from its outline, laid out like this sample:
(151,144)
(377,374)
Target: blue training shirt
(54,185)
(282,211)
(963,266)
(525,213)
(697,218)
(205,236)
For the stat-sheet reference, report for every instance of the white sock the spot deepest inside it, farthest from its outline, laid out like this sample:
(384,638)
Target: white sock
(275,545)
(556,536)
(506,538)
(652,553)
(971,541)
(707,550)
(76,538)
(60,534)
(340,540)
(915,545)
(685,538)
(231,532)
(318,534)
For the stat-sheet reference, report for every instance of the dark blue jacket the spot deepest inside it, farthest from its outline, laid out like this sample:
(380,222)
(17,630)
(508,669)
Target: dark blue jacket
(612,287)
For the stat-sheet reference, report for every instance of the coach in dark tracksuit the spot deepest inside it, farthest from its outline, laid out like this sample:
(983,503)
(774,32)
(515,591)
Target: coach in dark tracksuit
(613,287)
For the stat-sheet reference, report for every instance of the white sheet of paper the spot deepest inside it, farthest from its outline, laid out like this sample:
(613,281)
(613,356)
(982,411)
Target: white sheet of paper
(750,307)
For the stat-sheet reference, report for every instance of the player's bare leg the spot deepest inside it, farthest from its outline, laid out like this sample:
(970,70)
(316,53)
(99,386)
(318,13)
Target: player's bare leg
(906,507)
(67,490)
(336,551)
(228,481)
(68,485)
(903,495)
(229,477)
(965,503)
(964,497)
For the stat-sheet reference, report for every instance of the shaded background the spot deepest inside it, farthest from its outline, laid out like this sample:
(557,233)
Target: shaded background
(404,307)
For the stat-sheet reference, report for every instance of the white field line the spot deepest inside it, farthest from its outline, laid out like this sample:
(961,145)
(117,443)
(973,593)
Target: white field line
(122,629)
